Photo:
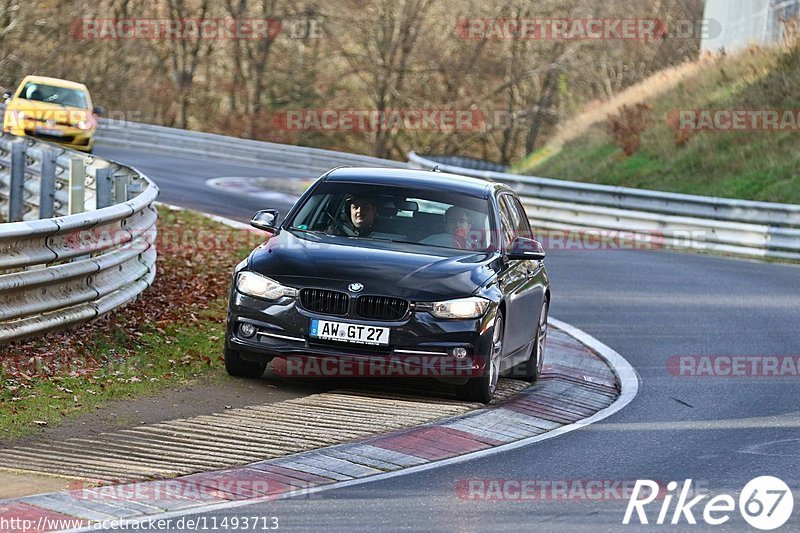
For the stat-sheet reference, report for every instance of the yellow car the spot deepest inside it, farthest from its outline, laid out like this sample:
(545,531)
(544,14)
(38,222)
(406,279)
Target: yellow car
(53,110)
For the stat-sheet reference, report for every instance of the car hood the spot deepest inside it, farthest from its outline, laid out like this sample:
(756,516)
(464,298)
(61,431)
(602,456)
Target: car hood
(414,272)
(43,111)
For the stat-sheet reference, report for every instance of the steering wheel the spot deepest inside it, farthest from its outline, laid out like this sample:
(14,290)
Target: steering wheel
(339,224)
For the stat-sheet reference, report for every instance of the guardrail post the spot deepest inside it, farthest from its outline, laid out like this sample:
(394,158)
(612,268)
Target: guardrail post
(47,184)
(77,186)
(121,189)
(16,193)
(102,180)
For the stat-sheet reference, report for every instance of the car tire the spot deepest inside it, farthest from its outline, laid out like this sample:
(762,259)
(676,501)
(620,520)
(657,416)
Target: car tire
(238,367)
(532,368)
(482,389)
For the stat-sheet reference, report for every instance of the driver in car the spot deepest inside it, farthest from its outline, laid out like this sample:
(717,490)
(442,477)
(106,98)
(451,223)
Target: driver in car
(361,217)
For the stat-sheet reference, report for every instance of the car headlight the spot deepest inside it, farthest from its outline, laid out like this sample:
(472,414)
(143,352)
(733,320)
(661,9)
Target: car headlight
(84,125)
(461,308)
(253,284)
(14,118)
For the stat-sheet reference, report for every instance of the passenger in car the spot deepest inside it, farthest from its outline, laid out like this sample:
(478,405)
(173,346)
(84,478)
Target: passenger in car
(458,225)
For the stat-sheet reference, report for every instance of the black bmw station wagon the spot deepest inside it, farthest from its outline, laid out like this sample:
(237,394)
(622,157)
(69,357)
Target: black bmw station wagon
(435,273)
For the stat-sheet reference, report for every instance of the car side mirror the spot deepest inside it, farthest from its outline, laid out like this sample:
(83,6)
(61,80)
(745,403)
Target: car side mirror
(99,110)
(266,220)
(6,96)
(526,249)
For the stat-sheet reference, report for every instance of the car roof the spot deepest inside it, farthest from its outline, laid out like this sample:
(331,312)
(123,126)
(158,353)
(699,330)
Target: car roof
(421,179)
(56,82)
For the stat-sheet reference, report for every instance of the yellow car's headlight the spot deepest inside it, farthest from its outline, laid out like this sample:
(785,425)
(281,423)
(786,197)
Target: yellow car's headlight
(14,119)
(253,284)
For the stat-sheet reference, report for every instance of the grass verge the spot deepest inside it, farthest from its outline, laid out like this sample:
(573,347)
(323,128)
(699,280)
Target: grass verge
(755,165)
(171,335)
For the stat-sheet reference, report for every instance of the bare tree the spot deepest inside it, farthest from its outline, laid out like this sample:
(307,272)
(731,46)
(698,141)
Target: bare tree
(381,55)
(180,57)
(238,10)
(384,37)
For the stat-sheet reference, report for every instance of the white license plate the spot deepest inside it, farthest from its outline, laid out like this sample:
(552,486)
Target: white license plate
(50,131)
(355,333)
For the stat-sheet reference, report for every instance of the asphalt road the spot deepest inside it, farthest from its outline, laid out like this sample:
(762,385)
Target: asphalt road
(182,182)
(648,306)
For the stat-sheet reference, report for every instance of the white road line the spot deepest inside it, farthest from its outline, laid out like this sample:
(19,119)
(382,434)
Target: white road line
(245,186)
(629,382)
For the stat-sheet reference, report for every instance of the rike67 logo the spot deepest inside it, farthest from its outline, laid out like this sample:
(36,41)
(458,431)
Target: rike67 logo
(765,503)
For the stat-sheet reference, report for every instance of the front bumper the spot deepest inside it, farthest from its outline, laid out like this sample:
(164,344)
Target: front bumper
(420,345)
(74,138)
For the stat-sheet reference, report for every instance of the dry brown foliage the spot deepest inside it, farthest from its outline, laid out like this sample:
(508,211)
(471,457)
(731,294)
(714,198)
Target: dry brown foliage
(190,282)
(626,128)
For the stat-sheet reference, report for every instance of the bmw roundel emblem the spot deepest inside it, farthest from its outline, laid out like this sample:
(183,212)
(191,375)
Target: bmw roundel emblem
(355,287)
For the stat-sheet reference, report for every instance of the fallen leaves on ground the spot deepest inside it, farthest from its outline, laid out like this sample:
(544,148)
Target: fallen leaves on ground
(190,279)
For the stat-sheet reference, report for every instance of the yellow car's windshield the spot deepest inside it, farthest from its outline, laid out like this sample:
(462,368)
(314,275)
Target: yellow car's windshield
(54,95)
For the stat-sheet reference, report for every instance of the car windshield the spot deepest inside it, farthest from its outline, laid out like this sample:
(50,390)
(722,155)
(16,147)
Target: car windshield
(434,218)
(54,95)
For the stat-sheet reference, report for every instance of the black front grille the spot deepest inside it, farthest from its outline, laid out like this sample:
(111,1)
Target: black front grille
(324,301)
(381,307)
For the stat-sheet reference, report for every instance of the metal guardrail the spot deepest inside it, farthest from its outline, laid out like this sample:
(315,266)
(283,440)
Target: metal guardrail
(62,271)
(753,229)
(185,143)
(126,134)
(52,181)
(467,162)
(721,225)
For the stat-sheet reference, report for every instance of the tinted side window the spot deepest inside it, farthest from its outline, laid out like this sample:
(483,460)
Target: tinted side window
(523,226)
(507,214)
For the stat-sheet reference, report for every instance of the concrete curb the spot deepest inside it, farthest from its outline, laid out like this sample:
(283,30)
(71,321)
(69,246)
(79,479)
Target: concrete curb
(586,383)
